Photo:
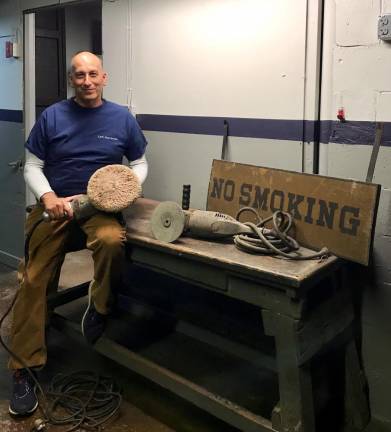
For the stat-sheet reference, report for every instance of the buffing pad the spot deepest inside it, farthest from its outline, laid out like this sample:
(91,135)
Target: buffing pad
(113,188)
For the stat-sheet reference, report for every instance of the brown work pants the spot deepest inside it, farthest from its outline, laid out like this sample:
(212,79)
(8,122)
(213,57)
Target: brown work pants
(47,248)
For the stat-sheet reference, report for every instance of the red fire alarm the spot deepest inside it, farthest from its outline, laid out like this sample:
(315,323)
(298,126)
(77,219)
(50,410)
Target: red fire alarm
(8,49)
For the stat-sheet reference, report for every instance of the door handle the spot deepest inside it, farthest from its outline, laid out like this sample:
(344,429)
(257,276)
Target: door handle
(18,164)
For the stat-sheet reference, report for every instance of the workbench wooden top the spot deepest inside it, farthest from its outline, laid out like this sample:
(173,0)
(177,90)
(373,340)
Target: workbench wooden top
(223,253)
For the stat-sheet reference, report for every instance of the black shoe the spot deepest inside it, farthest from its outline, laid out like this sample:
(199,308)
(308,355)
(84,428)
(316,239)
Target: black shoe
(23,400)
(93,323)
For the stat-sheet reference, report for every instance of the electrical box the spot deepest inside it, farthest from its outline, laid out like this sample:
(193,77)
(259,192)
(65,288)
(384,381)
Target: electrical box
(11,49)
(384,27)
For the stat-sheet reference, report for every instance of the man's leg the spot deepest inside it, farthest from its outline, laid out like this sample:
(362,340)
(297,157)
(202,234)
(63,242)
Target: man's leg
(105,238)
(46,254)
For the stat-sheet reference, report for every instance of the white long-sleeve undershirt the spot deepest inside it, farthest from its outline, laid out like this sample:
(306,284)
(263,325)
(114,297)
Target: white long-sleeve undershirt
(39,185)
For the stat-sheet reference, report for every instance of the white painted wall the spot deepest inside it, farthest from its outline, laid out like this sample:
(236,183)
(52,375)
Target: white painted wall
(356,75)
(211,58)
(116,19)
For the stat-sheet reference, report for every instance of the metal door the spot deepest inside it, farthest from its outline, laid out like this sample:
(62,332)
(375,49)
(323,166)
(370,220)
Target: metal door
(12,192)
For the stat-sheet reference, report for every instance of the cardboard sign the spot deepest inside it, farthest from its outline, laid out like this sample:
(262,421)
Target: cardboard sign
(336,213)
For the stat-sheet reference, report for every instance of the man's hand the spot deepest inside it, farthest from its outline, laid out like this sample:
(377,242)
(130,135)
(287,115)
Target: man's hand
(58,208)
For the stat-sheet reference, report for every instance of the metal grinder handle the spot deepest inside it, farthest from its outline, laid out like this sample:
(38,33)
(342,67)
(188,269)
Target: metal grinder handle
(46,216)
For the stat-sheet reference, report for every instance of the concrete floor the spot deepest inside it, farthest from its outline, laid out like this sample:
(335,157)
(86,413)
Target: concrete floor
(146,408)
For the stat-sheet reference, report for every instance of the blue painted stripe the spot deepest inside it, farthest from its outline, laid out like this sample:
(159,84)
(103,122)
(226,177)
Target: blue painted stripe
(14,116)
(239,127)
(350,132)
(358,133)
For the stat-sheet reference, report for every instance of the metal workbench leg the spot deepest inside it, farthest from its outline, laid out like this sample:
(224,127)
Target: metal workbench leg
(296,408)
(356,400)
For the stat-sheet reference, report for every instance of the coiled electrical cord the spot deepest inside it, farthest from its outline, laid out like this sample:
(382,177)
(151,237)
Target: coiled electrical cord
(88,400)
(275,241)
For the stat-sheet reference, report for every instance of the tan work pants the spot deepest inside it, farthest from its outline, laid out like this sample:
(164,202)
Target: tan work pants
(48,246)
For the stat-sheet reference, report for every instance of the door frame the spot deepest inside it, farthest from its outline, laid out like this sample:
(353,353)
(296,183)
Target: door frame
(29,83)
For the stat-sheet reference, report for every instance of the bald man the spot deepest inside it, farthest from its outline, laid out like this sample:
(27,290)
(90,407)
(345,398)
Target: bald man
(70,141)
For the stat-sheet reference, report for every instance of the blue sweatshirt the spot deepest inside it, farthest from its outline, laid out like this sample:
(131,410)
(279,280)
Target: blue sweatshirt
(74,142)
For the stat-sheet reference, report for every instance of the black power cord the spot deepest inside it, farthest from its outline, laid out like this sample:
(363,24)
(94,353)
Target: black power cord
(87,399)
(274,241)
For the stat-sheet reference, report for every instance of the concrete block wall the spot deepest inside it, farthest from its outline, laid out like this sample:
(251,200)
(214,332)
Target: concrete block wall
(356,76)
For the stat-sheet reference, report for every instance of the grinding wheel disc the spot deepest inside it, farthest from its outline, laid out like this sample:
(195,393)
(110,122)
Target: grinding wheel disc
(113,188)
(168,221)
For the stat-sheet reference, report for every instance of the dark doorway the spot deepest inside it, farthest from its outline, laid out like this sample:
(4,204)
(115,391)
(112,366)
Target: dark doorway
(50,70)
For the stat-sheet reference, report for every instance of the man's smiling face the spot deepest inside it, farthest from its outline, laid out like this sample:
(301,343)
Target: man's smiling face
(88,78)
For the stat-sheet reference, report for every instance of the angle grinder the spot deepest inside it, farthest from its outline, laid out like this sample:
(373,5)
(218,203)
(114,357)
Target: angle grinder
(110,189)
(169,221)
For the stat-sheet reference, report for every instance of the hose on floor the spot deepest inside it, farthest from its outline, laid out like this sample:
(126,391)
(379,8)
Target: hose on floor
(79,399)
(274,241)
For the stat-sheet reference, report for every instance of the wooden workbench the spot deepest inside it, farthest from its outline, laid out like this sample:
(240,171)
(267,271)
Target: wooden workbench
(304,326)
(281,289)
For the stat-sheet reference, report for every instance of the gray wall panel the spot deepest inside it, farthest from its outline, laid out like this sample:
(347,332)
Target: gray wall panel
(267,153)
